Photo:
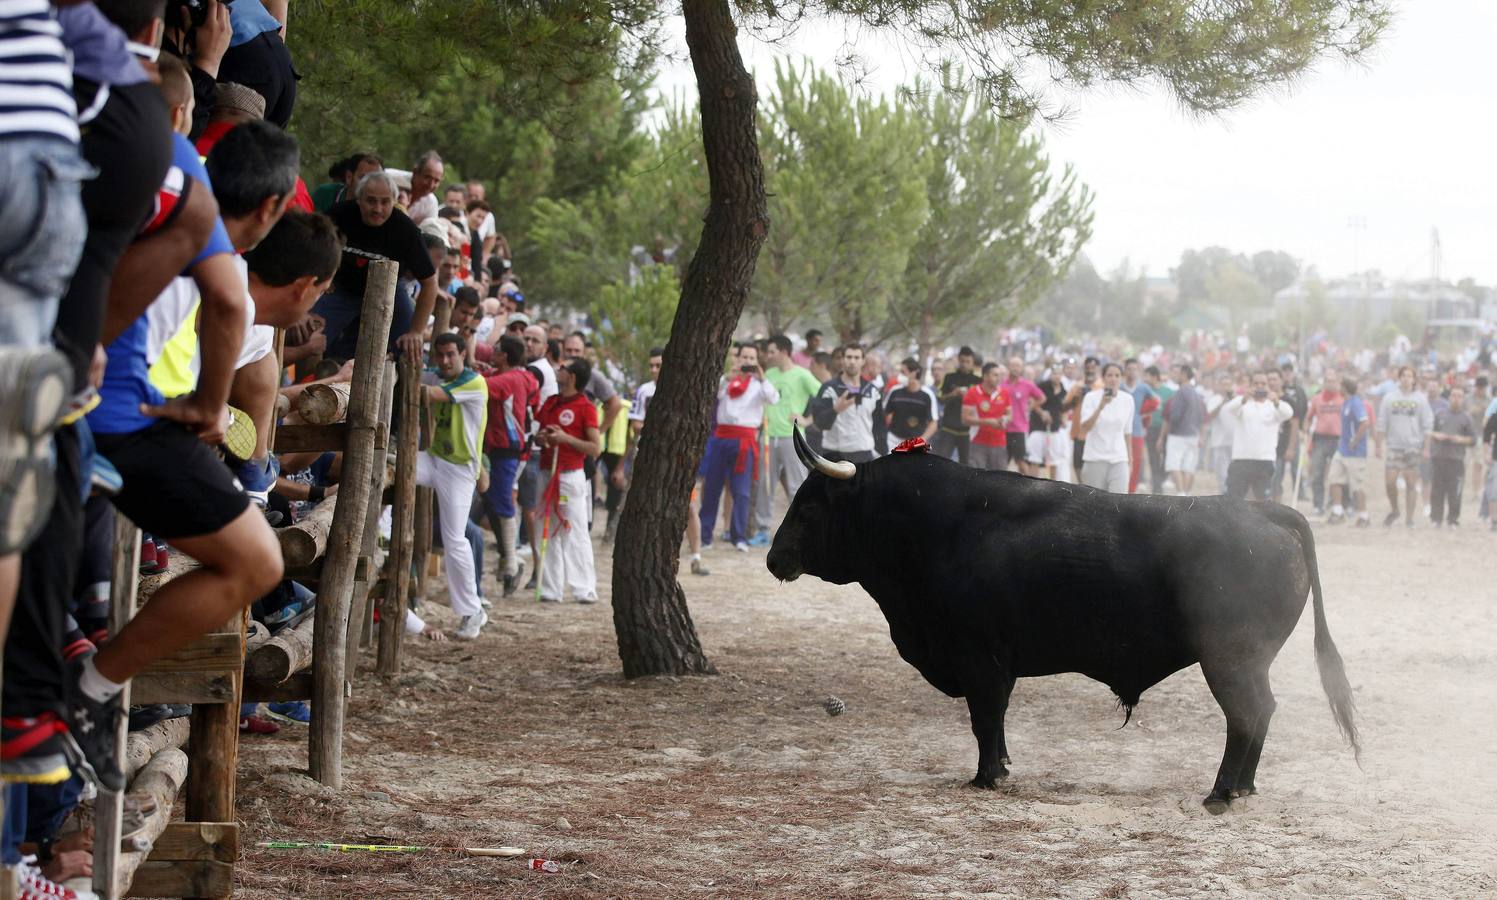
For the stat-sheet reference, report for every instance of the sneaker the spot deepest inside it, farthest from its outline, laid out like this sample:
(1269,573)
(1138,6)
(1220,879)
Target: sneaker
(530,585)
(512,581)
(149,562)
(258,477)
(698,569)
(469,627)
(291,712)
(1335,520)
(1438,525)
(240,436)
(610,531)
(38,382)
(257,725)
(1364,522)
(1453,524)
(1409,523)
(484,602)
(587,601)
(1319,511)
(143,717)
(1390,518)
(92,727)
(741,547)
(104,477)
(163,556)
(550,599)
(32,750)
(759,540)
(33,885)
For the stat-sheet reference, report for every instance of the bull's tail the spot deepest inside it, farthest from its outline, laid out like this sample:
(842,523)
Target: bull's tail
(1327,657)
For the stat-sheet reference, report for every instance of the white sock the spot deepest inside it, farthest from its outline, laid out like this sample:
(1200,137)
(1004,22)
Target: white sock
(508,528)
(95,686)
(696,557)
(1337,510)
(1364,514)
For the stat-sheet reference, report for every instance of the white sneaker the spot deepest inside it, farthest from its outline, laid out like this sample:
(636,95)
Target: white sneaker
(36,886)
(587,600)
(468,628)
(741,547)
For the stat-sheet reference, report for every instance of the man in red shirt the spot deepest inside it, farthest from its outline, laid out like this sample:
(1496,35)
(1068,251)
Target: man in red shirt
(514,396)
(568,434)
(985,409)
(1324,417)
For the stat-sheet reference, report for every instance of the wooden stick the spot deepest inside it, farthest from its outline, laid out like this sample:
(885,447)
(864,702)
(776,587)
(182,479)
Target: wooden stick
(142,745)
(325,750)
(162,778)
(304,542)
(358,610)
(402,530)
(323,404)
(288,652)
(109,809)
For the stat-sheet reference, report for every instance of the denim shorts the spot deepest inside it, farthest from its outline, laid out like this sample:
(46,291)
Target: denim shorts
(42,229)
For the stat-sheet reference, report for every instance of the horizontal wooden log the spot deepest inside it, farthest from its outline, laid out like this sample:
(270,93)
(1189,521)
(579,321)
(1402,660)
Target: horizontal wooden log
(161,778)
(297,687)
(182,687)
(142,745)
(323,404)
(218,841)
(304,542)
(184,878)
(311,438)
(209,653)
(179,565)
(288,652)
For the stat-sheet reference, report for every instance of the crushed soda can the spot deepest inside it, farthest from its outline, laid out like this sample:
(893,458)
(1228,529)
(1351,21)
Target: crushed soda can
(545,865)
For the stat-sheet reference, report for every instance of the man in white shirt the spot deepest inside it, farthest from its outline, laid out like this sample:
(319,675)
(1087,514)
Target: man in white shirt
(1219,429)
(1256,418)
(424,180)
(733,450)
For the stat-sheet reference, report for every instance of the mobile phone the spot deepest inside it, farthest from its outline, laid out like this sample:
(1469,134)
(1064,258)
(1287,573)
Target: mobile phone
(1109,392)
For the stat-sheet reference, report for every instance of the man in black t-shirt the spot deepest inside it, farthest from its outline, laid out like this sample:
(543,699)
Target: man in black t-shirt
(910,410)
(374,229)
(952,436)
(1286,459)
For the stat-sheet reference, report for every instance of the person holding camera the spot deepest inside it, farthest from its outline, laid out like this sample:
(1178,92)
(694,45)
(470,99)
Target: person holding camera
(733,450)
(1256,417)
(850,413)
(1106,427)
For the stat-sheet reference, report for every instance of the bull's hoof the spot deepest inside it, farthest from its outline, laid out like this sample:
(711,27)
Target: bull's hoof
(1216,804)
(1244,792)
(988,782)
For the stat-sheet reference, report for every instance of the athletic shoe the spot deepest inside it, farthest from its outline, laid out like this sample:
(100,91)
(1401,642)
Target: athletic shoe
(1364,522)
(32,750)
(1453,524)
(484,602)
(610,531)
(759,540)
(469,627)
(550,599)
(512,581)
(291,712)
(33,885)
(257,478)
(741,547)
(530,585)
(105,478)
(149,564)
(1335,520)
(1390,518)
(240,436)
(92,727)
(163,556)
(587,601)
(143,717)
(1319,510)
(38,382)
(698,569)
(257,725)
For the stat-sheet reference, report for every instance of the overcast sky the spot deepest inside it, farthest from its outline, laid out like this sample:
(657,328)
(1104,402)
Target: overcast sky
(1404,144)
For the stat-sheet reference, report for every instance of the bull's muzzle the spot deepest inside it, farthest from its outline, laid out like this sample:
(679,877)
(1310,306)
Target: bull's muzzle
(783,565)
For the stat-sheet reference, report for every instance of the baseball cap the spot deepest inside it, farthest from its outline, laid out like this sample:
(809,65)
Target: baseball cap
(518,318)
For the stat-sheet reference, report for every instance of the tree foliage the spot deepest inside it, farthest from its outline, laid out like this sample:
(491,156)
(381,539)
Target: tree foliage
(1243,285)
(636,317)
(1001,229)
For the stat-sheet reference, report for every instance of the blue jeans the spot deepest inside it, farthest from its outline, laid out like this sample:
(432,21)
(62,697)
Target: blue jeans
(718,466)
(42,229)
(499,501)
(342,312)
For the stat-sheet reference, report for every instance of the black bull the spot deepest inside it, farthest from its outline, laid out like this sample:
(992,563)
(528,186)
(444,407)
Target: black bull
(986,577)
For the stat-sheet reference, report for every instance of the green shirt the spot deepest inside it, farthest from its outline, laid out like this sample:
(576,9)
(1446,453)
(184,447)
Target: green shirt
(796,386)
(457,430)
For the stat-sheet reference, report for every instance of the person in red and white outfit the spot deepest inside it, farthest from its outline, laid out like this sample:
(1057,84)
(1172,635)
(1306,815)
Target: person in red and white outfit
(733,450)
(985,409)
(568,433)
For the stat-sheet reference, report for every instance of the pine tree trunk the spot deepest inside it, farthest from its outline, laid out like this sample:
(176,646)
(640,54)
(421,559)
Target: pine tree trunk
(655,632)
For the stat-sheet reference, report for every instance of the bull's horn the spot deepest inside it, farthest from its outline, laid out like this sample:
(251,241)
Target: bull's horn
(812,460)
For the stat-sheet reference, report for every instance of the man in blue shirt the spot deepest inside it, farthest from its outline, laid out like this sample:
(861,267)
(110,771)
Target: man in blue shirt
(1348,471)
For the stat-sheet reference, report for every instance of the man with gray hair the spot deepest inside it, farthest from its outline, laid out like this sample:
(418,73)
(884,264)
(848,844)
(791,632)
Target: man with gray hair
(374,229)
(425,177)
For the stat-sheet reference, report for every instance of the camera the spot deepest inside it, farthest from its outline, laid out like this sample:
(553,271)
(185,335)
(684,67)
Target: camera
(1109,392)
(197,11)
(748,370)
(1261,393)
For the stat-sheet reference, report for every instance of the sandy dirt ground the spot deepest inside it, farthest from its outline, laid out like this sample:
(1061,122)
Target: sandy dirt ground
(740,785)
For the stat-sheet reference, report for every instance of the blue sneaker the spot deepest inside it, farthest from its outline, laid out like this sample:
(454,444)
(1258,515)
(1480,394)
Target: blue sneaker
(258,476)
(759,540)
(290,712)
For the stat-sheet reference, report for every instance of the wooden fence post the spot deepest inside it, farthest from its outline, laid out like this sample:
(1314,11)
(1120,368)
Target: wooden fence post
(325,750)
(402,529)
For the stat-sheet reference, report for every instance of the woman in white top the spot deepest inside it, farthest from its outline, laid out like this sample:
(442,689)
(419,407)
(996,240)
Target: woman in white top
(1106,426)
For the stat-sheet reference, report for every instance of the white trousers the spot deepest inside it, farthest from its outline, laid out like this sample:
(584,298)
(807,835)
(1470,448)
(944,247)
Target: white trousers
(454,485)
(569,550)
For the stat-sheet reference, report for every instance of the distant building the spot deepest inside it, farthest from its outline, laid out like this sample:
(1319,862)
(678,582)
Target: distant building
(1364,304)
